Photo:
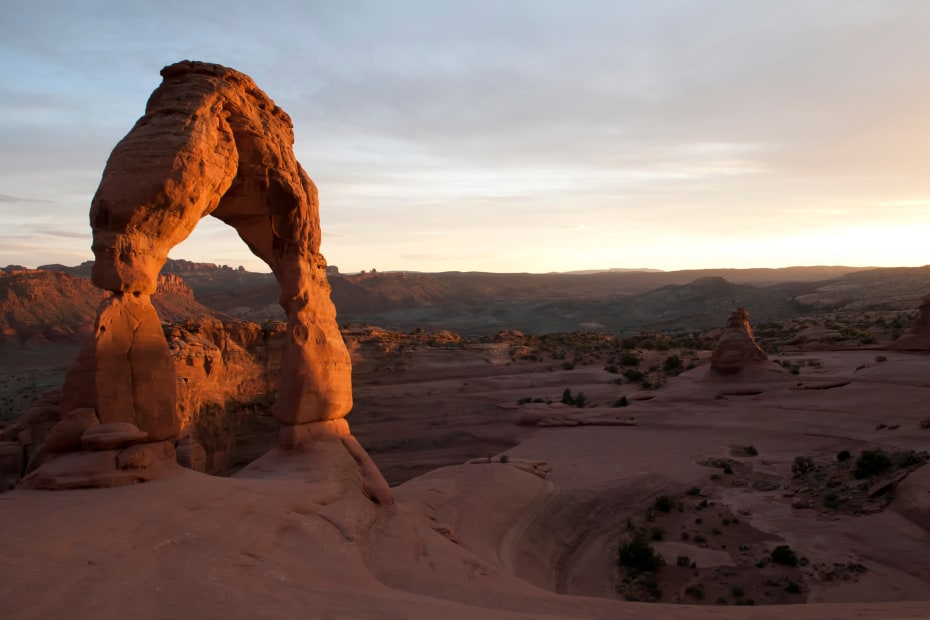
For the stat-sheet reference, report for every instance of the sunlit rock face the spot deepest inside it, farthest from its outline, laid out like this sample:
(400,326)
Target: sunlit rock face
(736,348)
(210,143)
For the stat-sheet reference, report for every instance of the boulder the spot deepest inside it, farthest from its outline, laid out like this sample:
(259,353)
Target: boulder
(65,436)
(112,436)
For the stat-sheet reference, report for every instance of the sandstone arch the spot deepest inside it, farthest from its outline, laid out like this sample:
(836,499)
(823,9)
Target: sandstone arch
(210,143)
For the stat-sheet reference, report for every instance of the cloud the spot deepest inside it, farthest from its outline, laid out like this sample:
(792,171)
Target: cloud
(458,120)
(67,234)
(7,199)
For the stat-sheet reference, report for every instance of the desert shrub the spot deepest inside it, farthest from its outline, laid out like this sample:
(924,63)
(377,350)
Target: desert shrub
(695,591)
(793,587)
(906,459)
(634,376)
(831,500)
(802,465)
(673,365)
(567,397)
(629,359)
(638,554)
(504,458)
(871,463)
(621,402)
(611,369)
(525,400)
(736,590)
(657,532)
(580,400)
(664,503)
(568,365)
(782,554)
(694,491)
(683,560)
(843,455)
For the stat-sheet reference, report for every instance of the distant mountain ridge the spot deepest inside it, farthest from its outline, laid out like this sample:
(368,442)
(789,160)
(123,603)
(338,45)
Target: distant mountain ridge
(51,305)
(615,300)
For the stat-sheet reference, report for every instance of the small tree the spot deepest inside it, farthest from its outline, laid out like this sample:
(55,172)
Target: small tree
(870,463)
(638,554)
(782,554)
(567,397)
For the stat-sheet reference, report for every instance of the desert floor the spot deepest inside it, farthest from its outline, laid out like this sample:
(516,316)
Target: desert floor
(529,521)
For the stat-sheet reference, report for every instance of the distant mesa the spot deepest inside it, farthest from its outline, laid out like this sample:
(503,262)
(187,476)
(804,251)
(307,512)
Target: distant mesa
(737,348)
(210,143)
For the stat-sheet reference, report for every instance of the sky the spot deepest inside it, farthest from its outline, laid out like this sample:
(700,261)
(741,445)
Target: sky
(507,136)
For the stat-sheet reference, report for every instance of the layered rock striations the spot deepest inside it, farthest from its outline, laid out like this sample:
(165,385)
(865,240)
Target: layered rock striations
(210,143)
(736,348)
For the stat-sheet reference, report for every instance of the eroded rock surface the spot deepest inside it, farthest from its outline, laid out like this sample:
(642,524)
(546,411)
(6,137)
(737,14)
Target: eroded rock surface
(737,347)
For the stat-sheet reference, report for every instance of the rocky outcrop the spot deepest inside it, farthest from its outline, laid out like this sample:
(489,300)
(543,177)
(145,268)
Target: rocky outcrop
(40,306)
(736,347)
(228,374)
(919,337)
(210,143)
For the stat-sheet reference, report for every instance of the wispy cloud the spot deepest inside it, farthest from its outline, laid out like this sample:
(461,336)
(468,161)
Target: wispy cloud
(7,199)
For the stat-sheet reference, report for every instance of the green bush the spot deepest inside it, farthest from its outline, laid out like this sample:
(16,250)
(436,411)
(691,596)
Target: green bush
(621,402)
(871,463)
(634,376)
(664,503)
(782,554)
(695,591)
(831,500)
(639,555)
(843,455)
(567,397)
(673,365)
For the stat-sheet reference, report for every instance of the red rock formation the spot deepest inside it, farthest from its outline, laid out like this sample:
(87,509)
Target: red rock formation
(736,348)
(210,143)
(919,337)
